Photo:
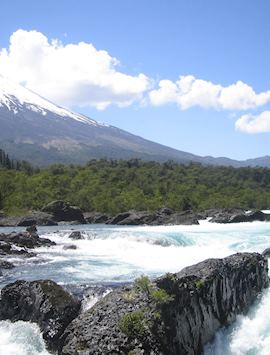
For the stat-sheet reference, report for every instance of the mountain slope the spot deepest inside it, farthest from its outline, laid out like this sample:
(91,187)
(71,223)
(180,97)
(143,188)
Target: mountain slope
(37,130)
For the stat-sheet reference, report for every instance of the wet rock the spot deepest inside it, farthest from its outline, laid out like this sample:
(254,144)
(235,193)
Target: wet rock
(266,253)
(43,302)
(70,247)
(76,235)
(9,249)
(202,299)
(63,211)
(26,240)
(238,216)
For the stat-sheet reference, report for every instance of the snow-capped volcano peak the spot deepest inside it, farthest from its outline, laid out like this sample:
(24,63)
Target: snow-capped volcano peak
(15,97)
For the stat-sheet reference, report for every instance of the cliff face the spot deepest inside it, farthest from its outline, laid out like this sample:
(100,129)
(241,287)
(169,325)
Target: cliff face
(177,314)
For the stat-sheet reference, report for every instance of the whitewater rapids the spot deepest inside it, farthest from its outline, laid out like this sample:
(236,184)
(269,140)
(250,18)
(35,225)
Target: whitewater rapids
(111,255)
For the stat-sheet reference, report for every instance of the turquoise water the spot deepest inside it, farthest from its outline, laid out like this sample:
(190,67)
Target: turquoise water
(112,255)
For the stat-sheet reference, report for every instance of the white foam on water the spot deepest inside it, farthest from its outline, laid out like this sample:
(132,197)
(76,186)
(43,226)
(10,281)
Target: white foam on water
(249,335)
(21,338)
(119,254)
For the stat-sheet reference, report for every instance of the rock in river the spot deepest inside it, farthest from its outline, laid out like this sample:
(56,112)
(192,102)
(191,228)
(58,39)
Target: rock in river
(178,314)
(43,302)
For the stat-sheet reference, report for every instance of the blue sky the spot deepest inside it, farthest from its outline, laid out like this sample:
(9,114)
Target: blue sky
(218,43)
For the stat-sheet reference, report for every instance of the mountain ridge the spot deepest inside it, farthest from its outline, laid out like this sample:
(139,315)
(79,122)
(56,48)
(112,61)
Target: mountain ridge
(35,129)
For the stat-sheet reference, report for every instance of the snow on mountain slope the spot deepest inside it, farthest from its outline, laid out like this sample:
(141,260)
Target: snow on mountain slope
(35,129)
(14,97)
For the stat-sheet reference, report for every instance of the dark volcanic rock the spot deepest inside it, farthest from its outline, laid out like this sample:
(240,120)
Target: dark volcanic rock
(202,299)
(37,218)
(237,216)
(164,216)
(266,253)
(96,217)
(183,218)
(76,235)
(63,211)
(43,302)
(133,218)
(26,240)
(8,249)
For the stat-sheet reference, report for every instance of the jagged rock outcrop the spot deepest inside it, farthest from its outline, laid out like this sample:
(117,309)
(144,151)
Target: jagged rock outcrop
(177,314)
(63,211)
(43,302)
(237,216)
(164,216)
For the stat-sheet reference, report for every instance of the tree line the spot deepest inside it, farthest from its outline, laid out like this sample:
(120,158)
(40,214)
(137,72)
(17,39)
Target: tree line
(11,164)
(112,186)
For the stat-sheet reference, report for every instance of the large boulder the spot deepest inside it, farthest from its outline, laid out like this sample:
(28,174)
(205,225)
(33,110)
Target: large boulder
(37,218)
(43,302)
(63,211)
(177,314)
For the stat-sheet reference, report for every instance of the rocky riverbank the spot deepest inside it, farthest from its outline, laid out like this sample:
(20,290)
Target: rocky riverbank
(174,314)
(61,212)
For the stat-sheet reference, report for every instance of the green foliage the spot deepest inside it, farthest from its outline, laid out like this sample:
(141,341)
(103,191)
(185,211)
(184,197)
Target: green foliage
(143,284)
(161,297)
(117,186)
(133,324)
(199,283)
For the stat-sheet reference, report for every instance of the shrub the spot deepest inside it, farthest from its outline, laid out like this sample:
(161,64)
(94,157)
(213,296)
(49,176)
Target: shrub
(199,283)
(161,297)
(143,284)
(133,324)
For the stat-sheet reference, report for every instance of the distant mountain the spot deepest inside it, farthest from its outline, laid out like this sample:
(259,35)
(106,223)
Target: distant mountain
(35,129)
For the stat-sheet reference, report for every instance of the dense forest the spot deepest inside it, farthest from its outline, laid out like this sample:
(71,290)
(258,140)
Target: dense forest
(116,186)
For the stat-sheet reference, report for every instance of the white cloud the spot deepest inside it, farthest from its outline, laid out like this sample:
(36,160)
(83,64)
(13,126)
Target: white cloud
(72,74)
(188,92)
(254,123)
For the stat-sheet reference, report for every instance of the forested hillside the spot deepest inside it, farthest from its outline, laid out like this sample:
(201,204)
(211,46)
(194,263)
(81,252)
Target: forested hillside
(115,186)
